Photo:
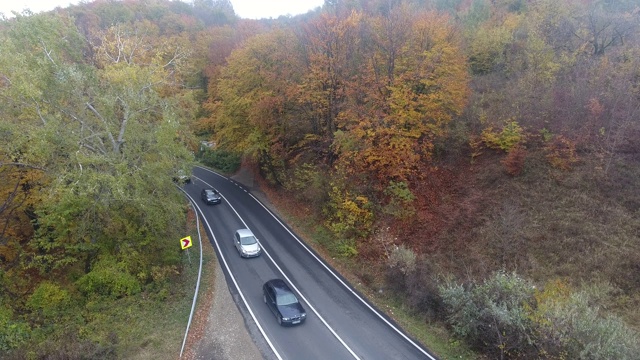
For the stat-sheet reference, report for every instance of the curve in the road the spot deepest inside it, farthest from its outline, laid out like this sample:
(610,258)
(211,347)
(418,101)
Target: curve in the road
(235,283)
(389,323)
(343,283)
(326,324)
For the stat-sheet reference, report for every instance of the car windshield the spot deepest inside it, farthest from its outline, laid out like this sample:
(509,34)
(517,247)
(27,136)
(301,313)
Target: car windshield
(286,299)
(248,240)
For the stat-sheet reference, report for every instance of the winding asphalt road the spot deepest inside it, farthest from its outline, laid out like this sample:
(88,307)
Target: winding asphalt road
(340,324)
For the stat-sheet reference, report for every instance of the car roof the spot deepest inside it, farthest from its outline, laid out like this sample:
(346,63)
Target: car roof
(279,286)
(244,232)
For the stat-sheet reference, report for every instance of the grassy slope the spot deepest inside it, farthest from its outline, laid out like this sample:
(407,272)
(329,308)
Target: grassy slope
(153,328)
(577,225)
(580,226)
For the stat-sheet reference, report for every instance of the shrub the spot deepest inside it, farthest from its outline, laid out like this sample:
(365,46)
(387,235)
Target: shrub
(491,316)
(505,317)
(49,300)
(422,290)
(108,278)
(348,216)
(401,263)
(403,259)
(12,333)
(161,274)
(414,279)
(504,139)
(514,162)
(346,248)
(401,200)
(569,326)
(225,161)
(561,153)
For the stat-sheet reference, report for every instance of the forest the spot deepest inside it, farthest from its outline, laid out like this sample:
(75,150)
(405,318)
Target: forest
(479,160)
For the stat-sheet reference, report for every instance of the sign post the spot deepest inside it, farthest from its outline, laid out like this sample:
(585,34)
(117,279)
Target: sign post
(185,244)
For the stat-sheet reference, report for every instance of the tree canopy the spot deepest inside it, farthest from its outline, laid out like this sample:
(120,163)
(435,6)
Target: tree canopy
(383,118)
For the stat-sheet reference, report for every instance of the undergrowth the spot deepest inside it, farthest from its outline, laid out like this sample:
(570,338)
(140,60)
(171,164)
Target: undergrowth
(577,225)
(147,325)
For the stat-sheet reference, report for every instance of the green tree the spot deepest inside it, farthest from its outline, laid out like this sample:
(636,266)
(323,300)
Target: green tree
(489,41)
(108,139)
(257,107)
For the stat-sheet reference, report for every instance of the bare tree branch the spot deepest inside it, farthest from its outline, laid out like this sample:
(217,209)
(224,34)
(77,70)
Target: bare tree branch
(44,121)
(20,164)
(47,52)
(123,125)
(114,144)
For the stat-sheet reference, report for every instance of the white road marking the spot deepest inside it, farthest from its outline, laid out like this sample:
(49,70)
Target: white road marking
(335,334)
(224,261)
(331,272)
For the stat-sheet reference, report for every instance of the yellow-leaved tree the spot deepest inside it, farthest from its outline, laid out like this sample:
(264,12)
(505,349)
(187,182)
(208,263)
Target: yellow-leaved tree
(428,87)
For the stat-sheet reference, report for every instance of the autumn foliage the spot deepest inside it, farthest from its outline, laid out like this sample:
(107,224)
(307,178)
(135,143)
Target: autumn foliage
(477,136)
(323,98)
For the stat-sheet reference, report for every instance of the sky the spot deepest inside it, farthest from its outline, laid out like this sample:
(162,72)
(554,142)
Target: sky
(249,9)
(6,6)
(256,9)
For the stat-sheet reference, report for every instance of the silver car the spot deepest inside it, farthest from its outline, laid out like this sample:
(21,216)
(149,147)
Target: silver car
(246,244)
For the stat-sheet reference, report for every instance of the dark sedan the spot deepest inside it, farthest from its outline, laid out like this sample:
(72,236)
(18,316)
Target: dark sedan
(283,302)
(211,196)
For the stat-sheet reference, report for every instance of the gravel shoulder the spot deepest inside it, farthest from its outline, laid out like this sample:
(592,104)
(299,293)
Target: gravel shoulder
(225,335)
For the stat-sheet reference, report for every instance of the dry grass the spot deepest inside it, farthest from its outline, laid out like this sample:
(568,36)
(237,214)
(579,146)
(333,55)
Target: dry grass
(580,225)
(155,330)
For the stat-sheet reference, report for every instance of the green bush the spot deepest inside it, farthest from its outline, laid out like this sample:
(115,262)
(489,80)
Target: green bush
(346,248)
(569,326)
(504,139)
(401,200)
(12,333)
(225,161)
(49,300)
(108,278)
(506,318)
(402,258)
(492,316)
(348,216)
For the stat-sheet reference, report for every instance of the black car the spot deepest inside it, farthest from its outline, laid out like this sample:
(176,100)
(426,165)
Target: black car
(283,302)
(211,196)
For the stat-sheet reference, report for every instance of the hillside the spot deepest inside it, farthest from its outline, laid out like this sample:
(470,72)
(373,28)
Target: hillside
(474,162)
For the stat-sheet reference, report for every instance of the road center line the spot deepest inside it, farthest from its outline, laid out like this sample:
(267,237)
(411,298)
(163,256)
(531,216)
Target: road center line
(224,261)
(332,273)
(335,334)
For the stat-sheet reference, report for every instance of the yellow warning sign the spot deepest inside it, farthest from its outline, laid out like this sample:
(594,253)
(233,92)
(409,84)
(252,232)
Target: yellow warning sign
(186,242)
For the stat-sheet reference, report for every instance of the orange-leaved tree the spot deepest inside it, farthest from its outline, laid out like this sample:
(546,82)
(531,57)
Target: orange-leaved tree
(428,87)
(331,47)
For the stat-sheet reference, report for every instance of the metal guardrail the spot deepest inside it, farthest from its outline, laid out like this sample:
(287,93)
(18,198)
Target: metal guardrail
(195,296)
